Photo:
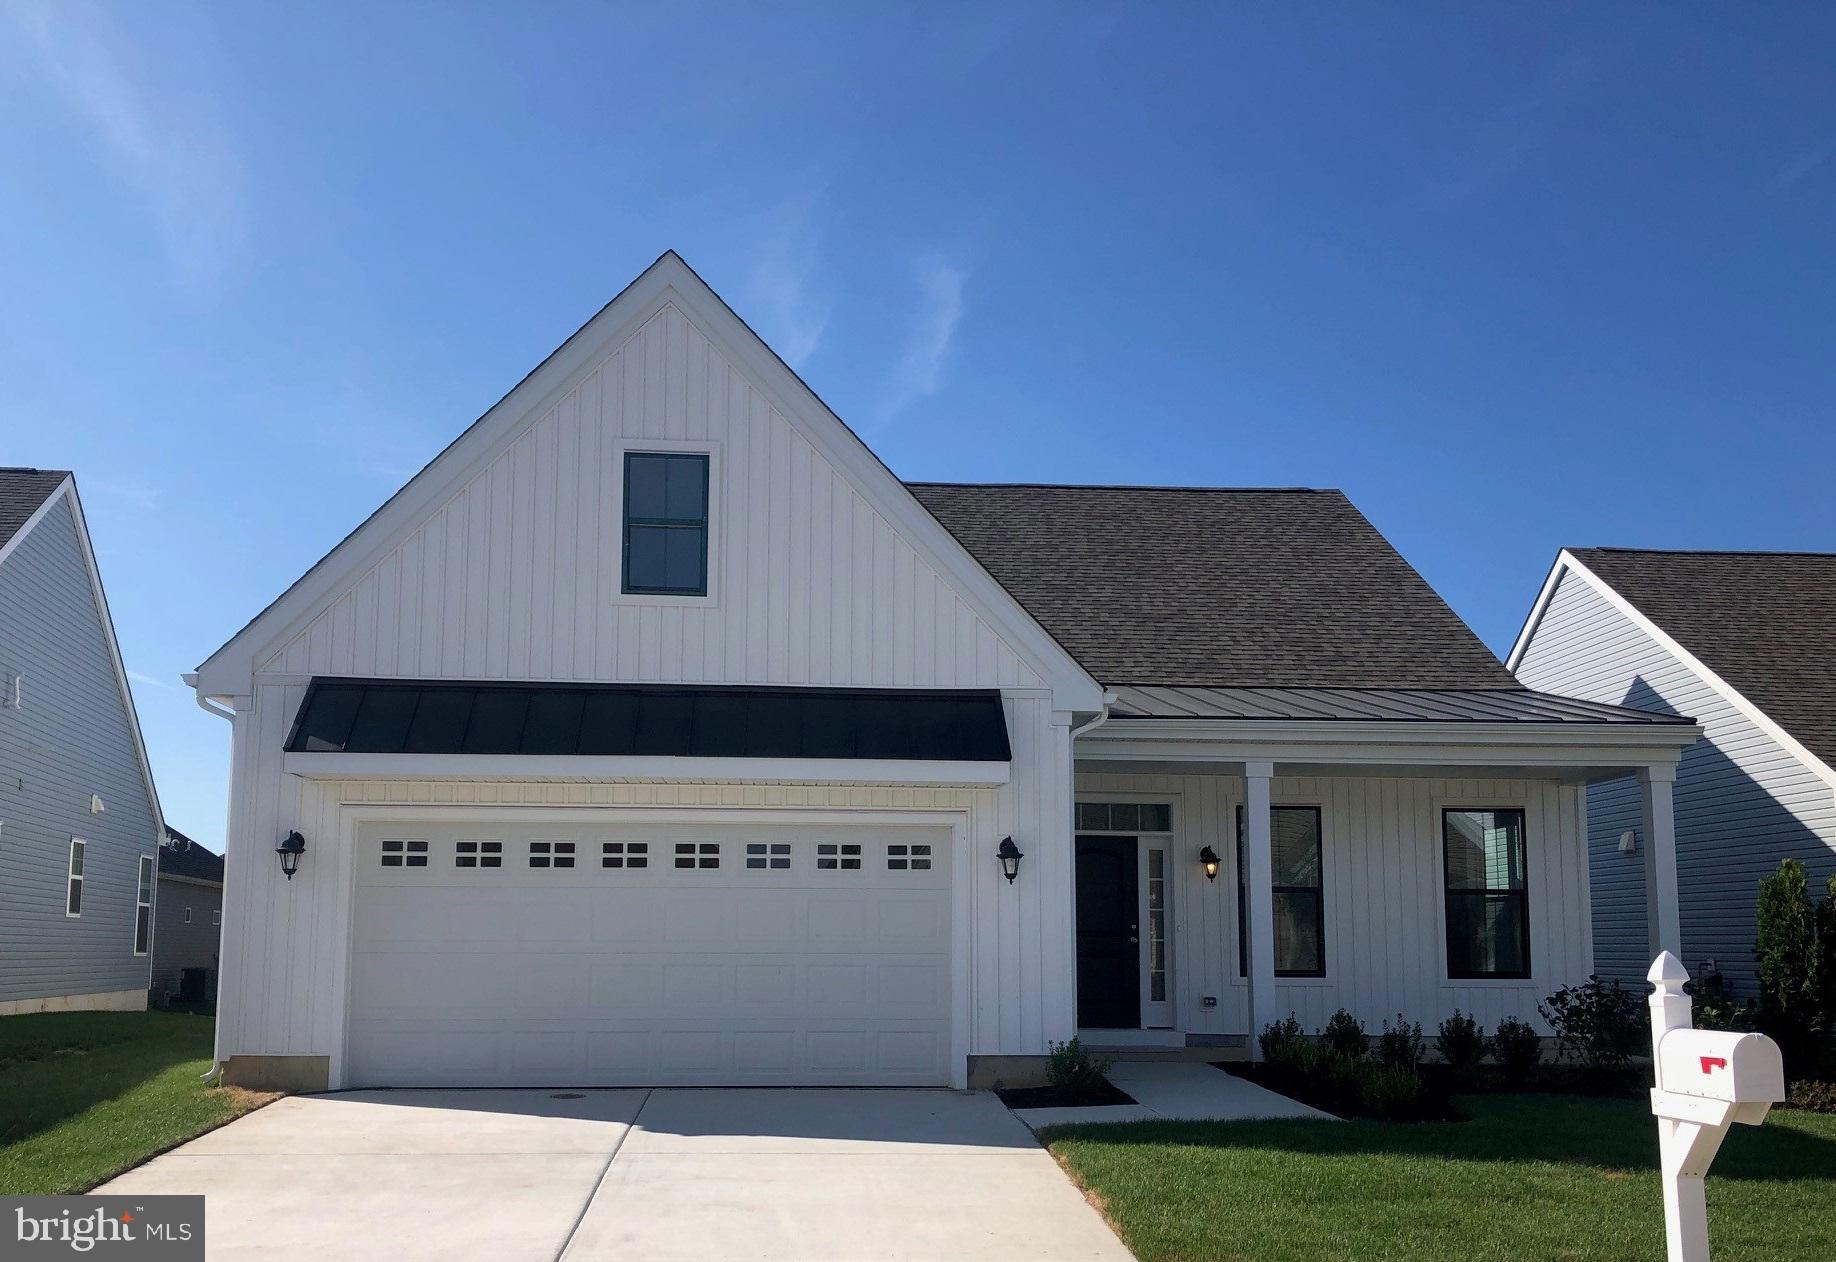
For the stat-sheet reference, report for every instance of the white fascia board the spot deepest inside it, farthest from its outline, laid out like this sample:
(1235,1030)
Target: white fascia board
(230,670)
(1391,743)
(114,653)
(1566,560)
(38,515)
(338,766)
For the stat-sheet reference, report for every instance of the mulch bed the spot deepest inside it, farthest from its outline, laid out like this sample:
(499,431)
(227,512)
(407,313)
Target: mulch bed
(1062,1097)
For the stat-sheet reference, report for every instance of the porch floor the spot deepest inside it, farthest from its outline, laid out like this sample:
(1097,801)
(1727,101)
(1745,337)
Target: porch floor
(1165,1089)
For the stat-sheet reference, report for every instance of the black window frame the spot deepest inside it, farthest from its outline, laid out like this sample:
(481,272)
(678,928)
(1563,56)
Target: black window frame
(626,586)
(1449,893)
(1317,891)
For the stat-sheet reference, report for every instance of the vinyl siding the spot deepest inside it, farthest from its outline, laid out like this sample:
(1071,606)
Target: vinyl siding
(1743,803)
(71,739)
(517,575)
(176,945)
(1385,947)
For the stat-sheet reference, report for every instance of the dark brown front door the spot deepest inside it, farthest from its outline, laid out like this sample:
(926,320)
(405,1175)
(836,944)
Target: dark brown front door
(1108,934)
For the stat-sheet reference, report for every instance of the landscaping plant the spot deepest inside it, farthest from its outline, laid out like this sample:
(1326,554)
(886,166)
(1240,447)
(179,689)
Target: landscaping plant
(1071,1066)
(1345,1035)
(1789,952)
(1597,1024)
(1279,1036)
(1715,1009)
(1401,1047)
(1461,1043)
(1517,1049)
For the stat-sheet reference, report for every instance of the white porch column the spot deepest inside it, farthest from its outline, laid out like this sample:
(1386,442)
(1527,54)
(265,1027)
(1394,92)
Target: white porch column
(1259,898)
(1662,919)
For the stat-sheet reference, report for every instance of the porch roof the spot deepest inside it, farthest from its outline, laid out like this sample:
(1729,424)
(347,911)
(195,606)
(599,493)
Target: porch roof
(1413,705)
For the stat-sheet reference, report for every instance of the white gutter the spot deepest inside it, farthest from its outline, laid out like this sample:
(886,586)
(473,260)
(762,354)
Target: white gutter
(1102,717)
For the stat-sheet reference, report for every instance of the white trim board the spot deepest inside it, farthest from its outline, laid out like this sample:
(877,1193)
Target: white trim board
(1567,561)
(230,670)
(340,766)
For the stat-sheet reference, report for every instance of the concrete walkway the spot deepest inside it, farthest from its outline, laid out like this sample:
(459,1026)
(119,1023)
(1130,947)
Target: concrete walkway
(1182,1090)
(754,1175)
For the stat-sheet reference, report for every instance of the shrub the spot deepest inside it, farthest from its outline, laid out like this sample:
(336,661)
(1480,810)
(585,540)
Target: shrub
(1715,1008)
(1517,1048)
(1812,1096)
(1394,1095)
(1279,1036)
(1824,961)
(1785,945)
(1596,1023)
(1070,1064)
(1400,1048)
(1345,1036)
(1461,1043)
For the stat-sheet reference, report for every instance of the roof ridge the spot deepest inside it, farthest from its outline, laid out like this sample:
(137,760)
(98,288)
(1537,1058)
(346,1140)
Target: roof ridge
(1129,486)
(1712,552)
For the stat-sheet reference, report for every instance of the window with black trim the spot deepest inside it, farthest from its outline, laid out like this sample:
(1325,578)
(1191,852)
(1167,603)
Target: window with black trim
(698,854)
(551,854)
(1297,870)
(842,855)
(768,854)
(1124,817)
(404,854)
(143,907)
(1488,901)
(478,854)
(913,858)
(666,523)
(624,854)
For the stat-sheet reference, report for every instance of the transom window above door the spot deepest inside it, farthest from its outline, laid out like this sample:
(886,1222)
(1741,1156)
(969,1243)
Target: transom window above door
(666,523)
(1124,817)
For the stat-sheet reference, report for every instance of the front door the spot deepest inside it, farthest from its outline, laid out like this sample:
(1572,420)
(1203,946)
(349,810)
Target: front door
(1108,934)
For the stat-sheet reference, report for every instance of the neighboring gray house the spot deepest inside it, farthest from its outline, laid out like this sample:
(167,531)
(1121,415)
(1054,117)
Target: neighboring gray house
(79,820)
(1744,642)
(190,920)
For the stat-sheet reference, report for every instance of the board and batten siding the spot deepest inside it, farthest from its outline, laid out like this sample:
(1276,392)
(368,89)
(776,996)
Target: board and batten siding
(283,972)
(1386,950)
(1743,802)
(70,739)
(517,575)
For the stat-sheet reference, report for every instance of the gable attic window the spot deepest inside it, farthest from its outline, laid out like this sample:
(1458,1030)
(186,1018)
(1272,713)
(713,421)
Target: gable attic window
(666,523)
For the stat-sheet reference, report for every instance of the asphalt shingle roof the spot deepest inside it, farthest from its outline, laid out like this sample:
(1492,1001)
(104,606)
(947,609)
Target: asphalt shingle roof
(184,857)
(21,493)
(1216,587)
(1763,621)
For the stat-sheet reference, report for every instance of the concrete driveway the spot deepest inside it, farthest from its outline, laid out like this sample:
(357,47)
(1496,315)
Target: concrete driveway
(649,1175)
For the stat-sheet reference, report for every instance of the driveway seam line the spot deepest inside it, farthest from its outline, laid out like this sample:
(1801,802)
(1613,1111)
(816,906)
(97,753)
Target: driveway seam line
(593,1193)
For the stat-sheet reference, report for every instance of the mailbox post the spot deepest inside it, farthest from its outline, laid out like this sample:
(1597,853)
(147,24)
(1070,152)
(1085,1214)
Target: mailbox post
(1706,1081)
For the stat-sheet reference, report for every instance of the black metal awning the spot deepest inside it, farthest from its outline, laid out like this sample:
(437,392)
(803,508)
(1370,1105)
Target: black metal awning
(397,716)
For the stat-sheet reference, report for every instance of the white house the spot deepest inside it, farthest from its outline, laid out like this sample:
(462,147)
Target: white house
(657,733)
(1745,642)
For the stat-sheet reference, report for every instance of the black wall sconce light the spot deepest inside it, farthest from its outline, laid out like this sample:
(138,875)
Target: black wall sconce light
(1209,858)
(290,851)
(1010,856)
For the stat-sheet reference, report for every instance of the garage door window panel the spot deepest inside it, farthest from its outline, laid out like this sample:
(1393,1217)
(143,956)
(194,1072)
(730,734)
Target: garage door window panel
(478,854)
(397,853)
(770,855)
(838,856)
(551,854)
(698,855)
(908,858)
(624,854)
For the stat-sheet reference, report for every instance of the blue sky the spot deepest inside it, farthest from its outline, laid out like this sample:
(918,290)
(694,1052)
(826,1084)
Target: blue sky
(1512,276)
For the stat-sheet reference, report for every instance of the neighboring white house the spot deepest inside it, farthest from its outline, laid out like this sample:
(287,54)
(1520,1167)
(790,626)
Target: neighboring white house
(1745,642)
(657,733)
(79,819)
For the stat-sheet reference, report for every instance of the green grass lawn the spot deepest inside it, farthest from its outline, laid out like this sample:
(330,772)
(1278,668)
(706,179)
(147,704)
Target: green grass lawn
(1528,1177)
(86,1095)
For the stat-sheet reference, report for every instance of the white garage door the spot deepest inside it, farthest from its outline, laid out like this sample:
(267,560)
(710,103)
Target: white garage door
(581,955)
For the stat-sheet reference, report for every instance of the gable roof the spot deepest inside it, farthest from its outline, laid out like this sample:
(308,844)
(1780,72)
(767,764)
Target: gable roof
(183,857)
(1282,587)
(22,493)
(229,671)
(1764,622)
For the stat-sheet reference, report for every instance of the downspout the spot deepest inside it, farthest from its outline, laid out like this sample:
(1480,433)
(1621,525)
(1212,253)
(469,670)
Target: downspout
(214,1074)
(1101,718)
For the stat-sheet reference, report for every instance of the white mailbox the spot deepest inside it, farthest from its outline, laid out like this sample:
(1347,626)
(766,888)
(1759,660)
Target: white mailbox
(1719,1065)
(1707,1080)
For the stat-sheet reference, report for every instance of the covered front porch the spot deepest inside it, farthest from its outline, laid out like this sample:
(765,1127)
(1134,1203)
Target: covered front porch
(1246,854)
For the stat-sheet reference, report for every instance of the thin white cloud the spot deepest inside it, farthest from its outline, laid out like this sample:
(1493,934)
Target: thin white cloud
(791,319)
(151,682)
(932,335)
(164,143)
